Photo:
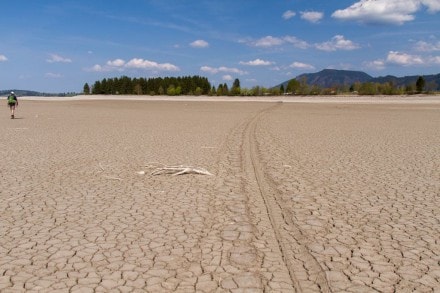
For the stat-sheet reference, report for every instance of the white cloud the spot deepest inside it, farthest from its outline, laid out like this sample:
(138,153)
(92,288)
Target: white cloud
(256,62)
(227,77)
(299,65)
(312,16)
(139,63)
(53,75)
(376,64)
(199,44)
(427,47)
(232,70)
(404,59)
(96,68)
(298,43)
(435,60)
(433,5)
(338,42)
(3,58)
(54,58)
(135,63)
(289,14)
(385,11)
(116,62)
(270,41)
(209,69)
(222,69)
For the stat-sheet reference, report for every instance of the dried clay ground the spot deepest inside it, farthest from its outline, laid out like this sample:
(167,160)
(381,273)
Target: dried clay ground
(304,197)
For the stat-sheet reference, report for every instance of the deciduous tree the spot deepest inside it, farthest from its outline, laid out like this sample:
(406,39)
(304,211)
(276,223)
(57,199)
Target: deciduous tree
(293,86)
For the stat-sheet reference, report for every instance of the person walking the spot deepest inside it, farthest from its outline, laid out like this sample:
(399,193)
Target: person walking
(12,103)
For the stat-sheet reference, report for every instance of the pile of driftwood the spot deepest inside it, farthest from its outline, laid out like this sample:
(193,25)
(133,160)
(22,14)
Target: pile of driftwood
(159,169)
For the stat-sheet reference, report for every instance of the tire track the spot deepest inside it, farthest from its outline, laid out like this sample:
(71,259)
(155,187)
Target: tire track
(305,272)
(250,256)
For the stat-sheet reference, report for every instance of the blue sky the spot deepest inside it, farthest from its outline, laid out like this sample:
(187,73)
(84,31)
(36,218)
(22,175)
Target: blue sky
(57,46)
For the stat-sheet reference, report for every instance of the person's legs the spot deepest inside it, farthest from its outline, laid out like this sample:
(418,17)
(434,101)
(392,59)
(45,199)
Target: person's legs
(12,107)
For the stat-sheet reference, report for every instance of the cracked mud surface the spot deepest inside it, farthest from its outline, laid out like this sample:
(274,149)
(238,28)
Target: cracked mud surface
(304,197)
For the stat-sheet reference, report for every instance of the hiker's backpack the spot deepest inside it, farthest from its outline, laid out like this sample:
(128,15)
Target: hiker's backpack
(11,99)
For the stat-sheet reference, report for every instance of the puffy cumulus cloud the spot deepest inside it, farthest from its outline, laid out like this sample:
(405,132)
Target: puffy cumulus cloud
(312,16)
(289,14)
(270,41)
(338,42)
(222,69)
(403,59)
(139,63)
(256,62)
(116,63)
(385,11)
(227,77)
(433,5)
(96,68)
(423,46)
(199,44)
(299,65)
(209,69)
(54,58)
(3,58)
(135,63)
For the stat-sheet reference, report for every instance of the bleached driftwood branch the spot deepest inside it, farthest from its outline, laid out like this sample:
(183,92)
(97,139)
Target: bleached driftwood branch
(180,170)
(177,170)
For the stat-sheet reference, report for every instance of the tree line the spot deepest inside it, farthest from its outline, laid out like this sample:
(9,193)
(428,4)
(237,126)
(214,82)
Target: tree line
(300,87)
(197,85)
(187,85)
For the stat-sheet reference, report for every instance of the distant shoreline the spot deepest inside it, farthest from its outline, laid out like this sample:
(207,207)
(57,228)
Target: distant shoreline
(412,99)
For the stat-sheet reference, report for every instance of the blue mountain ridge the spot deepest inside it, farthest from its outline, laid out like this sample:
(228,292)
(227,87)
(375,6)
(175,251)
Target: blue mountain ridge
(329,78)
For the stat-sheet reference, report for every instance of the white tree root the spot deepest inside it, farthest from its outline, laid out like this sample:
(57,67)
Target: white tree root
(160,169)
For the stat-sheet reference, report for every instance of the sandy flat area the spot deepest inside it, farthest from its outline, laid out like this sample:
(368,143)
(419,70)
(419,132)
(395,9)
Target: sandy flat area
(331,195)
(347,99)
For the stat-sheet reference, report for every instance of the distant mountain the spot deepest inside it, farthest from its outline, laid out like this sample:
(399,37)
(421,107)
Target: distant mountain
(20,93)
(27,93)
(328,78)
(331,77)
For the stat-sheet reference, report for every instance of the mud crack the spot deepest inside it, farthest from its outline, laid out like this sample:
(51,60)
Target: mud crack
(302,265)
